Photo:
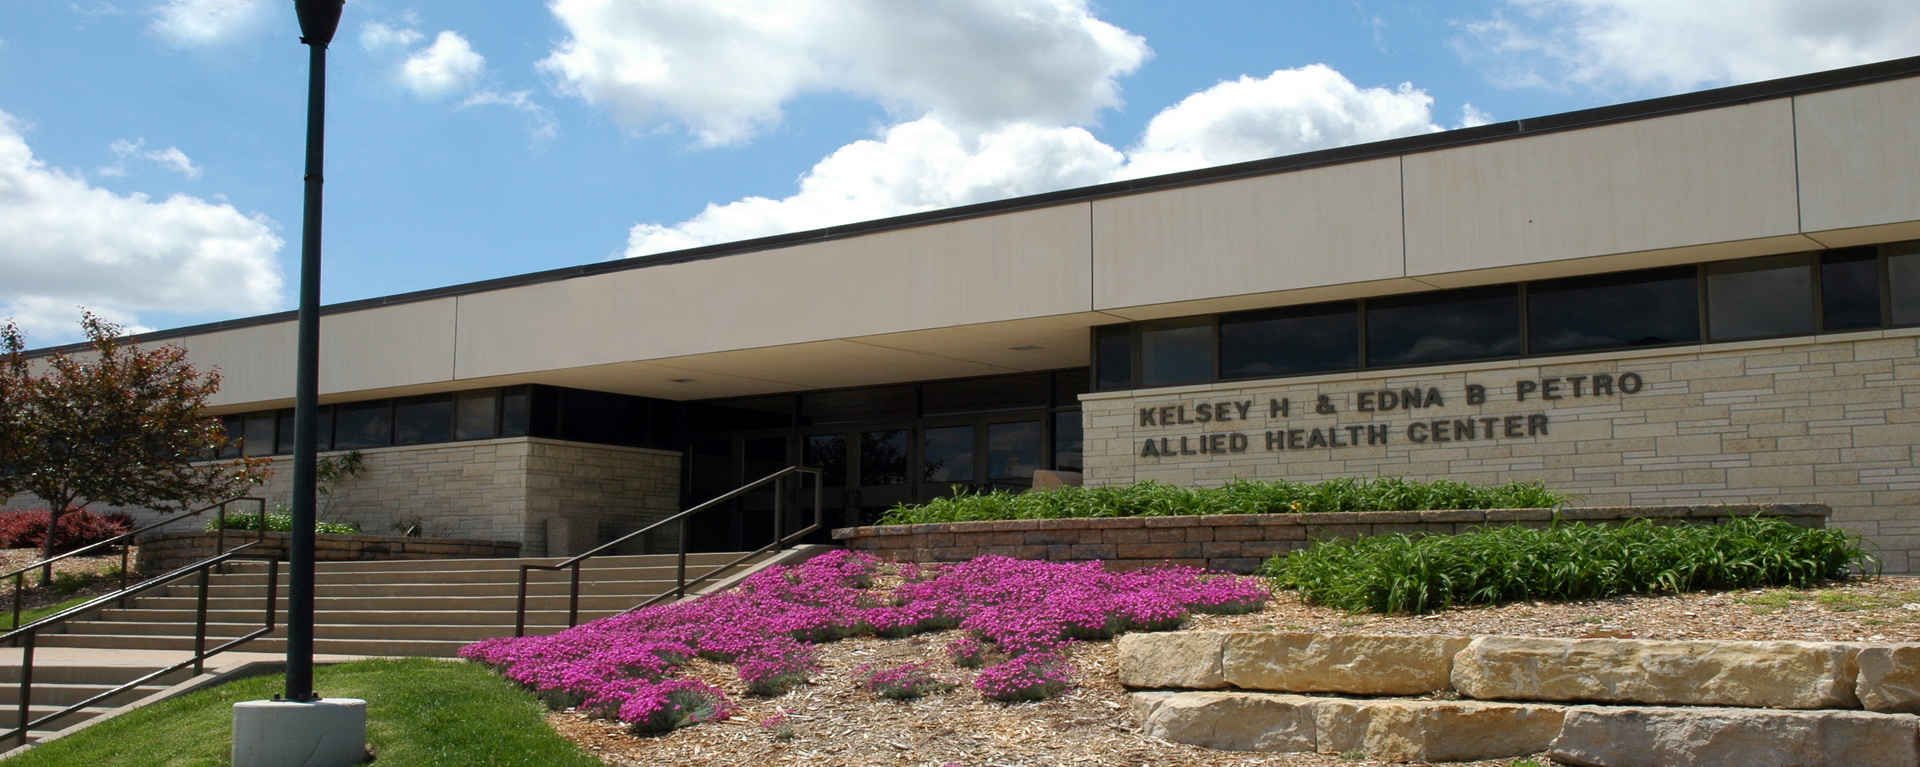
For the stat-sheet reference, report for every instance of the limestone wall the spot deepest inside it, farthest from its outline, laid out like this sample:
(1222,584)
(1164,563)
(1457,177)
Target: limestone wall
(1830,420)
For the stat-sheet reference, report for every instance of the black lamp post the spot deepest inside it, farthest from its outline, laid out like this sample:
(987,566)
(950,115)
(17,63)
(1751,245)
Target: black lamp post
(318,21)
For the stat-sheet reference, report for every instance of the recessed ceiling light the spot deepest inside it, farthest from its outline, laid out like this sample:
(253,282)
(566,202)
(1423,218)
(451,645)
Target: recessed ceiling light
(680,380)
(1026,348)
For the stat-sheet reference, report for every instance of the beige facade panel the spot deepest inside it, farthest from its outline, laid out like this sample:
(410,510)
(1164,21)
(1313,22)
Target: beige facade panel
(391,346)
(1014,265)
(827,365)
(1724,175)
(1023,264)
(1306,229)
(1859,156)
(256,363)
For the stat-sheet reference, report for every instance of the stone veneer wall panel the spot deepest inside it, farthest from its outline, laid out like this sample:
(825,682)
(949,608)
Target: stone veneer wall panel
(1831,419)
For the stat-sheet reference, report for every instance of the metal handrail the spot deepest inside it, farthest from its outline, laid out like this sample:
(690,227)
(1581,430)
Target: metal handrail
(27,634)
(219,546)
(681,582)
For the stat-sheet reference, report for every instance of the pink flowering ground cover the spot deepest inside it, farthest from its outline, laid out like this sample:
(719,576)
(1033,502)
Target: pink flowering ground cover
(1020,617)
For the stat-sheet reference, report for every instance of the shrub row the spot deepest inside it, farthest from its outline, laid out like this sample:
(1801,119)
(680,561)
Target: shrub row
(280,522)
(1157,499)
(1417,574)
(78,527)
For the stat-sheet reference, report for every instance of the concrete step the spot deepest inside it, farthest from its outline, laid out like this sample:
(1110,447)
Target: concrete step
(387,617)
(68,694)
(427,589)
(328,604)
(512,565)
(594,571)
(81,673)
(410,647)
(219,632)
(10,716)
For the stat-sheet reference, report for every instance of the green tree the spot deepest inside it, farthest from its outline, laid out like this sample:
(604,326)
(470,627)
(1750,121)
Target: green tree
(118,424)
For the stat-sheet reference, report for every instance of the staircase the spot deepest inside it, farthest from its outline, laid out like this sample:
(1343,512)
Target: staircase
(412,608)
(417,608)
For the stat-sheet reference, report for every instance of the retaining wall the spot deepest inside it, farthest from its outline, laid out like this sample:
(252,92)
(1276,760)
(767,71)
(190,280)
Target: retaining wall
(1240,542)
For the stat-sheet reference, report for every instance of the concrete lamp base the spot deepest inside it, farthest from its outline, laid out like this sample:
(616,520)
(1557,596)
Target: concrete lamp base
(330,732)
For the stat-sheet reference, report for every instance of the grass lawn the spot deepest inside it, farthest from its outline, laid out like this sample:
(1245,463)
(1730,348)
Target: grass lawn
(32,614)
(419,712)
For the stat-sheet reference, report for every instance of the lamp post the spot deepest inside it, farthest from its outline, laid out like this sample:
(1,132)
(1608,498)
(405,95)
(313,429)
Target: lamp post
(298,729)
(318,21)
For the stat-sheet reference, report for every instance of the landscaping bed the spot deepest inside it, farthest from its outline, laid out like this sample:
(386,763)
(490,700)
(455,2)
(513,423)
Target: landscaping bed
(834,722)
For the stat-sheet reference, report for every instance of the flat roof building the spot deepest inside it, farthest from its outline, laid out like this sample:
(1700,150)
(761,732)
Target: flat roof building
(1707,297)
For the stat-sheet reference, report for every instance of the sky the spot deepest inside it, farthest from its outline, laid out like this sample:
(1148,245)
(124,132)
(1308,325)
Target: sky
(151,151)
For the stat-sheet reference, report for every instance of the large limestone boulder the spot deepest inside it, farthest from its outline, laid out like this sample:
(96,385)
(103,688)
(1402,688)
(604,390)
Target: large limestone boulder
(1175,659)
(1434,730)
(1228,721)
(1700,673)
(1598,736)
(1889,678)
(1355,665)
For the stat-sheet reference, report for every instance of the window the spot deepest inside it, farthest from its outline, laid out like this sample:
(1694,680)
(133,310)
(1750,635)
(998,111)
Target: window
(880,402)
(515,411)
(948,455)
(883,457)
(1013,450)
(1448,326)
(1067,441)
(1614,311)
(362,425)
(1290,341)
(984,395)
(473,414)
(257,429)
(1903,281)
(828,453)
(1849,289)
(1760,297)
(1176,351)
(423,420)
(1113,357)
(283,443)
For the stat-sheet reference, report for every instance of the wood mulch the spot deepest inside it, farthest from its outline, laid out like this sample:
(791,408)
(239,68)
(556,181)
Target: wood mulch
(14,559)
(834,722)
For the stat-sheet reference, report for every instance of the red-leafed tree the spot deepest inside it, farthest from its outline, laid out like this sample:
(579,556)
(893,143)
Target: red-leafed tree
(118,424)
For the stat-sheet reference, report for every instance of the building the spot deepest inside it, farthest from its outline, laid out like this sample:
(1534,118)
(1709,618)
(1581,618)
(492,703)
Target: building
(1712,296)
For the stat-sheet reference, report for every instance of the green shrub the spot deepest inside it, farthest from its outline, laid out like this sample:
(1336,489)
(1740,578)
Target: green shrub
(1156,499)
(280,522)
(1417,574)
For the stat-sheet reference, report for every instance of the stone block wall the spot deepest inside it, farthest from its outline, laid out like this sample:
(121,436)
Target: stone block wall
(1833,419)
(1241,542)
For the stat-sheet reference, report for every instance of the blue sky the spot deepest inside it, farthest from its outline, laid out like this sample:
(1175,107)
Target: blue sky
(150,150)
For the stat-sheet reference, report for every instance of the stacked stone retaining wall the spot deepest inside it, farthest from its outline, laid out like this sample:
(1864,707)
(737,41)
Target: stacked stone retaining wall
(162,552)
(1603,702)
(1241,542)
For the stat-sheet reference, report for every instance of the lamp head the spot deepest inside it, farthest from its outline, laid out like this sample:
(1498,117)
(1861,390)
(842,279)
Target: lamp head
(318,19)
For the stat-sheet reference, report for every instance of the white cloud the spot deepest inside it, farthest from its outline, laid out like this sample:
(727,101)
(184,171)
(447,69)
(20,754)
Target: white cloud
(446,67)
(724,68)
(65,244)
(1639,47)
(170,158)
(541,124)
(929,163)
(376,37)
(914,166)
(189,23)
(1287,112)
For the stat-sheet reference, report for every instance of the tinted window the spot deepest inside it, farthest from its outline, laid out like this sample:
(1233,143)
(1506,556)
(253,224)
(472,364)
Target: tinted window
(873,404)
(234,426)
(474,414)
(1760,297)
(257,430)
(362,425)
(1113,356)
(1850,289)
(1067,450)
(515,410)
(1903,282)
(883,457)
(1449,326)
(283,441)
(1290,341)
(828,453)
(751,413)
(980,395)
(1068,385)
(949,454)
(1613,311)
(1013,450)
(612,419)
(1176,351)
(422,420)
